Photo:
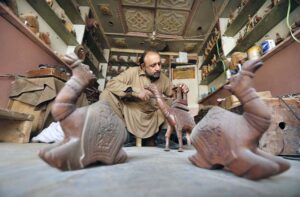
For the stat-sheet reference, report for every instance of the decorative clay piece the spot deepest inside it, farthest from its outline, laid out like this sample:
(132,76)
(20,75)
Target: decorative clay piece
(225,139)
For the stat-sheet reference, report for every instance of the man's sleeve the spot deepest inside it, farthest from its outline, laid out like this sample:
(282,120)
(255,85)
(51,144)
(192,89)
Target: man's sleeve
(168,88)
(121,85)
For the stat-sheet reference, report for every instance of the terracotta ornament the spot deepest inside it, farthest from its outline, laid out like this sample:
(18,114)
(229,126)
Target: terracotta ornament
(92,134)
(177,116)
(225,139)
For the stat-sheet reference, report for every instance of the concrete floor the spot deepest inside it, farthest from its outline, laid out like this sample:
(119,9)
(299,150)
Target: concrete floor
(149,171)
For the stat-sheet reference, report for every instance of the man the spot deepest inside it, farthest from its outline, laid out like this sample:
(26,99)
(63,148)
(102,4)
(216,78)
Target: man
(135,105)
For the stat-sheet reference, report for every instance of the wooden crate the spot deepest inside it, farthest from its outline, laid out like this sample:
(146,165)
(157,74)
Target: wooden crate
(283,135)
(15,126)
(39,116)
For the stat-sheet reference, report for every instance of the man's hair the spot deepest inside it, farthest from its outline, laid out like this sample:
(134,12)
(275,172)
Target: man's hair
(142,57)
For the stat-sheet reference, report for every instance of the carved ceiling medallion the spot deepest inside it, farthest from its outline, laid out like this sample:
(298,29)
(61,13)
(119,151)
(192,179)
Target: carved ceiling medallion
(139,20)
(145,3)
(171,22)
(178,4)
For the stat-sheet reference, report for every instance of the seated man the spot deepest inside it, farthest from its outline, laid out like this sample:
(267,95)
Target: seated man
(135,105)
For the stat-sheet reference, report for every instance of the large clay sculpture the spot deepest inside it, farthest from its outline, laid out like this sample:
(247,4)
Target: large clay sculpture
(177,116)
(226,139)
(92,134)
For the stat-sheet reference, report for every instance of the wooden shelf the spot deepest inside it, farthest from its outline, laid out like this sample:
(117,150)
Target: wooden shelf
(130,64)
(249,9)
(175,64)
(212,52)
(286,42)
(71,11)
(18,24)
(265,25)
(221,92)
(93,68)
(96,50)
(53,21)
(217,71)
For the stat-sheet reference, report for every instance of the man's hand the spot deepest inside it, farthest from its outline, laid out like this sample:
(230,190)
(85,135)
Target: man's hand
(144,95)
(185,88)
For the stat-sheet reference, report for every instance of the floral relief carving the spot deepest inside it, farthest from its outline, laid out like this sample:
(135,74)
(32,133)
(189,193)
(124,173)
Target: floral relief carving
(147,3)
(140,20)
(180,4)
(171,22)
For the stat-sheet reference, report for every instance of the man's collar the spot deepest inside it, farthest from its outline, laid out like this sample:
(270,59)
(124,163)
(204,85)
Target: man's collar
(141,71)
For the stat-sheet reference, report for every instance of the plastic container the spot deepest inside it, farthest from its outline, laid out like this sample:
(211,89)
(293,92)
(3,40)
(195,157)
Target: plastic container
(267,46)
(253,53)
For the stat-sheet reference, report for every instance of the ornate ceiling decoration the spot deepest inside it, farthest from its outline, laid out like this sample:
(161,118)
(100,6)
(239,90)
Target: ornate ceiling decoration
(171,22)
(146,3)
(163,25)
(139,20)
(175,4)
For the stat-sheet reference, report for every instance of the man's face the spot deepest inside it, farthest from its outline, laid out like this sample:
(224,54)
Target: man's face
(152,66)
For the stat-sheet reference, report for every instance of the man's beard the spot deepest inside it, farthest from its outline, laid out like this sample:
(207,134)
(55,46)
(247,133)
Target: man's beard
(154,76)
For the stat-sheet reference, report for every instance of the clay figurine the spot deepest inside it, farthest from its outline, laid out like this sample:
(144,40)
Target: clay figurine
(92,134)
(177,116)
(226,139)
(278,39)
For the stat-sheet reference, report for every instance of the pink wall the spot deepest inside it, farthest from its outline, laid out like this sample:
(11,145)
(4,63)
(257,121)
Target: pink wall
(281,72)
(18,54)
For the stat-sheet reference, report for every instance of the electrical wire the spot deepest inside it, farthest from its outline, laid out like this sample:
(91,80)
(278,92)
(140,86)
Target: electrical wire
(288,23)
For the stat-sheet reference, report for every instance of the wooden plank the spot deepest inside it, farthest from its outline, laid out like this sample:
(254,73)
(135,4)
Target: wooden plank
(214,51)
(96,50)
(82,2)
(93,68)
(53,21)
(249,9)
(48,72)
(13,115)
(71,11)
(15,131)
(265,25)
(39,115)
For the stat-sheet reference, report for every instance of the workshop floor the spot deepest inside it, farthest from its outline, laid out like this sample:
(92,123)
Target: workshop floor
(149,171)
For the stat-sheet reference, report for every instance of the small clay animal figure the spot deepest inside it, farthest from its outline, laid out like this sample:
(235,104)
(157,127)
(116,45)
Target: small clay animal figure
(31,21)
(278,39)
(256,19)
(177,116)
(295,26)
(249,25)
(226,139)
(45,37)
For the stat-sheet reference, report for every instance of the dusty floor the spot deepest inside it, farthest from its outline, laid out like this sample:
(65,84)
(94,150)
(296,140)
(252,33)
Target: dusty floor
(149,171)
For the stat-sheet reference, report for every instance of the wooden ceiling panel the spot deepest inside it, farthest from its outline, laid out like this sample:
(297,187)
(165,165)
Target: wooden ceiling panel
(139,20)
(140,3)
(166,25)
(171,21)
(175,4)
